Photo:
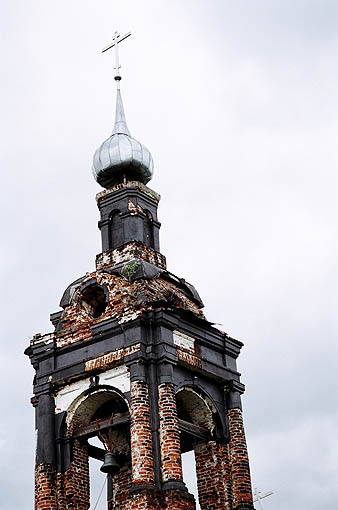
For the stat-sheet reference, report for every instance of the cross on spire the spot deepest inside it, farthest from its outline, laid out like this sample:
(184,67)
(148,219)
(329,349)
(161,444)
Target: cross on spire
(116,40)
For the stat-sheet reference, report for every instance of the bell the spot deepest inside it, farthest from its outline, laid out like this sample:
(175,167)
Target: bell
(110,465)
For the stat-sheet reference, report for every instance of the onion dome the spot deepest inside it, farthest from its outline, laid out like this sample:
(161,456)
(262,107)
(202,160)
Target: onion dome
(121,158)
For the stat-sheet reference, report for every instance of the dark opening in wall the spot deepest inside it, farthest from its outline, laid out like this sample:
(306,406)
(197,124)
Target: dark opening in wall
(148,232)
(94,300)
(116,236)
(114,406)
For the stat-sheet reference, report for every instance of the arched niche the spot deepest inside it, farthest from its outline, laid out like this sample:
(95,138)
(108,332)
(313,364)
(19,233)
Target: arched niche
(148,230)
(96,421)
(115,230)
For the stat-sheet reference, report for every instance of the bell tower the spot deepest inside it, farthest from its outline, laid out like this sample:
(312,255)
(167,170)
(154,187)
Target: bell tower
(133,362)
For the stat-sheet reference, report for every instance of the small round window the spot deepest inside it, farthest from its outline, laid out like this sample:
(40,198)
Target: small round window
(94,300)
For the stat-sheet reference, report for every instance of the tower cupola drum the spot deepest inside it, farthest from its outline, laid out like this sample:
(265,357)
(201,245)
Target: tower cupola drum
(134,365)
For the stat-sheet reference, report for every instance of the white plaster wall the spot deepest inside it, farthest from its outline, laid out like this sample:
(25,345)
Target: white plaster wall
(117,377)
(184,341)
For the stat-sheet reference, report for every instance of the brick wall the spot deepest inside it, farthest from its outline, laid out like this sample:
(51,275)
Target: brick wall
(76,479)
(239,461)
(121,487)
(61,499)
(45,487)
(145,499)
(213,476)
(179,500)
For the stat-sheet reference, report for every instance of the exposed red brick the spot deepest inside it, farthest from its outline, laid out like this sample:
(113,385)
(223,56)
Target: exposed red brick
(129,251)
(45,487)
(127,301)
(121,487)
(179,500)
(239,461)
(169,434)
(188,358)
(76,479)
(143,499)
(134,209)
(213,476)
(141,436)
(108,359)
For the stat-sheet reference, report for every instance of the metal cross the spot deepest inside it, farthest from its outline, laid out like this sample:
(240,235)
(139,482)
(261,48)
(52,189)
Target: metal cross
(259,497)
(116,40)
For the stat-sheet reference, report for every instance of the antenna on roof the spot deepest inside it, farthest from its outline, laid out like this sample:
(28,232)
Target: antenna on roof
(258,496)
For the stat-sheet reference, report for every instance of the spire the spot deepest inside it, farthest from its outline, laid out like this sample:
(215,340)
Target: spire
(120,126)
(121,158)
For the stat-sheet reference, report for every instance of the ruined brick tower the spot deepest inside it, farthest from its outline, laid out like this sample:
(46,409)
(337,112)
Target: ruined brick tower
(133,361)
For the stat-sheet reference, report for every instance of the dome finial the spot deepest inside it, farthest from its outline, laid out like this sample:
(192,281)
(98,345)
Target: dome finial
(121,158)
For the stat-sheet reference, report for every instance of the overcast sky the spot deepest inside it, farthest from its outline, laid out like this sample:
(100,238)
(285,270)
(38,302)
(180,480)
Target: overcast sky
(237,101)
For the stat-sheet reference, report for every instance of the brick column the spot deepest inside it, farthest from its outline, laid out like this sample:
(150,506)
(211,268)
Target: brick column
(176,494)
(239,460)
(169,434)
(213,475)
(143,494)
(141,436)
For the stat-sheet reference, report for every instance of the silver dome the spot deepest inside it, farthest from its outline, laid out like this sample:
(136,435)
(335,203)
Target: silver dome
(121,156)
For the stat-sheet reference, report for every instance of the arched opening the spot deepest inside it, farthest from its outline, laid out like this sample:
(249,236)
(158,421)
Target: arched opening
(198,423)
(116,237)
(100,424)
(94,299)
(196,413)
